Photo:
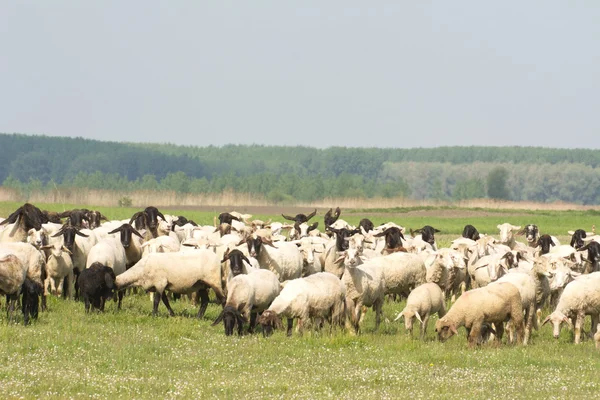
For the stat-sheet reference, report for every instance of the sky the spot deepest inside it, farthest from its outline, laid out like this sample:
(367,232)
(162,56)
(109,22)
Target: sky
(315,73)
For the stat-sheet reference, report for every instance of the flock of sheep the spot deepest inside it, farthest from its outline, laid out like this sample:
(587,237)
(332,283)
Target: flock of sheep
(262,276)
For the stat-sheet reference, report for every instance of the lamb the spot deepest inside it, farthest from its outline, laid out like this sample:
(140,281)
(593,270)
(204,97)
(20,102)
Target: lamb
(248,295)
(320,295)
(579,298)
(58,267)
(284,259)
(97,284)
(181,273)
(491,304)
(422,302)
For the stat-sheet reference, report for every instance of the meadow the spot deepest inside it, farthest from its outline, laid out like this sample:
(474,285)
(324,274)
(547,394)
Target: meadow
(129,354)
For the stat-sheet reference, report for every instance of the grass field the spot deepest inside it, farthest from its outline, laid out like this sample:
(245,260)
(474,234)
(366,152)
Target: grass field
(129,354)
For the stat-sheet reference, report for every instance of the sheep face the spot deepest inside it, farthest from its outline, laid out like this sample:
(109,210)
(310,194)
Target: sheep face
(231,317)
(94,218)
(577,238)
(236,261)
(556,319)
(445,329)
(302,230)
(507,232)
(68,233)
(393,237)
(531,232)
(269,321)
(560,277)
(37,238)
(352,258)
(340,237)
(126,231)
(428,234)
(545,242)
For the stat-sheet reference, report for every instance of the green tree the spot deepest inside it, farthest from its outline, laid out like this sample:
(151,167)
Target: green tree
(496,184)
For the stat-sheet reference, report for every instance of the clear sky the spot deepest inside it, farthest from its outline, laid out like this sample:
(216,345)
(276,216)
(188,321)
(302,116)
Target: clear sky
(316,73)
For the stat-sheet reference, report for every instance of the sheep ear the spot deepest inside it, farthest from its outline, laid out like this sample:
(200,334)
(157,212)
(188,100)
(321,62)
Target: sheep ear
(453,329)
(66,250)
(436,230)
(568,321)
(218,320)
(400,315)
(78,232)
(418,316)
(546,320)
(571,232)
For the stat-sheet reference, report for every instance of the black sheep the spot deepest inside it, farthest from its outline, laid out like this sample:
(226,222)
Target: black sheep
(96,285)
(30,299)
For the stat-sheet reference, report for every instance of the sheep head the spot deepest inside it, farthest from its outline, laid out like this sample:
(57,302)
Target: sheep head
(445,329)
(557,318)
(231,317)
(269,320)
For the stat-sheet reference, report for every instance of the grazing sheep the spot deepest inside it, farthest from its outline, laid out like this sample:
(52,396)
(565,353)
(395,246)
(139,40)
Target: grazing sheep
(579,298)
(97,284)
(248,295)
(320,295)
(491,304)
(422,302)
(181,273)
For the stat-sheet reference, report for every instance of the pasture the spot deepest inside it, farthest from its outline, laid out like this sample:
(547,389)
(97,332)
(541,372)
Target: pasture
(129,354)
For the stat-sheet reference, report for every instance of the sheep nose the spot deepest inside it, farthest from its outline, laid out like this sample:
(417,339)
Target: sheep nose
(555,336)
(253,254)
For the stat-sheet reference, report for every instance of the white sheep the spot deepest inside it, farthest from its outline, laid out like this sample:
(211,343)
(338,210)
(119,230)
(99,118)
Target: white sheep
(491,304)
(109,252)
(12,276)
(525,283)
(579,298)
(507,234)
(422,302)
(161,244)
(58,267)
(320,295)
(32,259)
(283,258)
(311,248)
(182,273)
(489,268)
(248,295)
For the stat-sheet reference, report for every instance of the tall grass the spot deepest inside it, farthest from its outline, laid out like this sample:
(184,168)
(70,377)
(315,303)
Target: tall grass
(229,198)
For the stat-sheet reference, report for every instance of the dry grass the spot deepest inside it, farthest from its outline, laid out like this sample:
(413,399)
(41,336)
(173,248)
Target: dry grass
(230,198)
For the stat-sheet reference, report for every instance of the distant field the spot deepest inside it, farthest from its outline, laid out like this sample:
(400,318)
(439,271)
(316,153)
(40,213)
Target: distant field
(129,354)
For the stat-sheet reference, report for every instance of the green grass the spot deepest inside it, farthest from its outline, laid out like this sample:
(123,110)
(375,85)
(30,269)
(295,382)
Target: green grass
(129,354)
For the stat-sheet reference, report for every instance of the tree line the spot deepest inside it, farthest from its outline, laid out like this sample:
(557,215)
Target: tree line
(303,173)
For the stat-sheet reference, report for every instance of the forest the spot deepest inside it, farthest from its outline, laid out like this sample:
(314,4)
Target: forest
(304,173)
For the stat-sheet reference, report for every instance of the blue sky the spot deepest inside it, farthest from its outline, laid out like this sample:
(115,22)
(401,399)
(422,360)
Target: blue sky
(353,73)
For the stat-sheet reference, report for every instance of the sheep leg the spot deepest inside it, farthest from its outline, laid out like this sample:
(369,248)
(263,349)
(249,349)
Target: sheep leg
(424,327)
(253,316)
(156,302)
(594,326)
(44,305)
(290,325)
(203,295)
(102,302)
(578,326)
(165,300)
(86,299)
(378,312)
(474,334)
(120,296)
(499,332)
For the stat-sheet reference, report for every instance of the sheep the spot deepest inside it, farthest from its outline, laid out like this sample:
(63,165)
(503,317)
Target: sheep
(58,267)
(525,283)
(52,216)
(161,244)
(577,237)
(300,218)
(109,252)
(95,218)
(79,243)
(330,217)
(365,286)
(12,277)
(489,268)
(470,232)
(491,304)
(579,298)
(366,225)
(284,259)
(77,218)
(427,234)
(181,273)
(593,258)
(332,261)
(236,260)
(423,301)
(317,296)
(302,230)
(308,247)
(20,222)
(97,284)
(248,295)
(532,234)
(32,259)
(132,246)
(507,234)
(147,219)
(393,240)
